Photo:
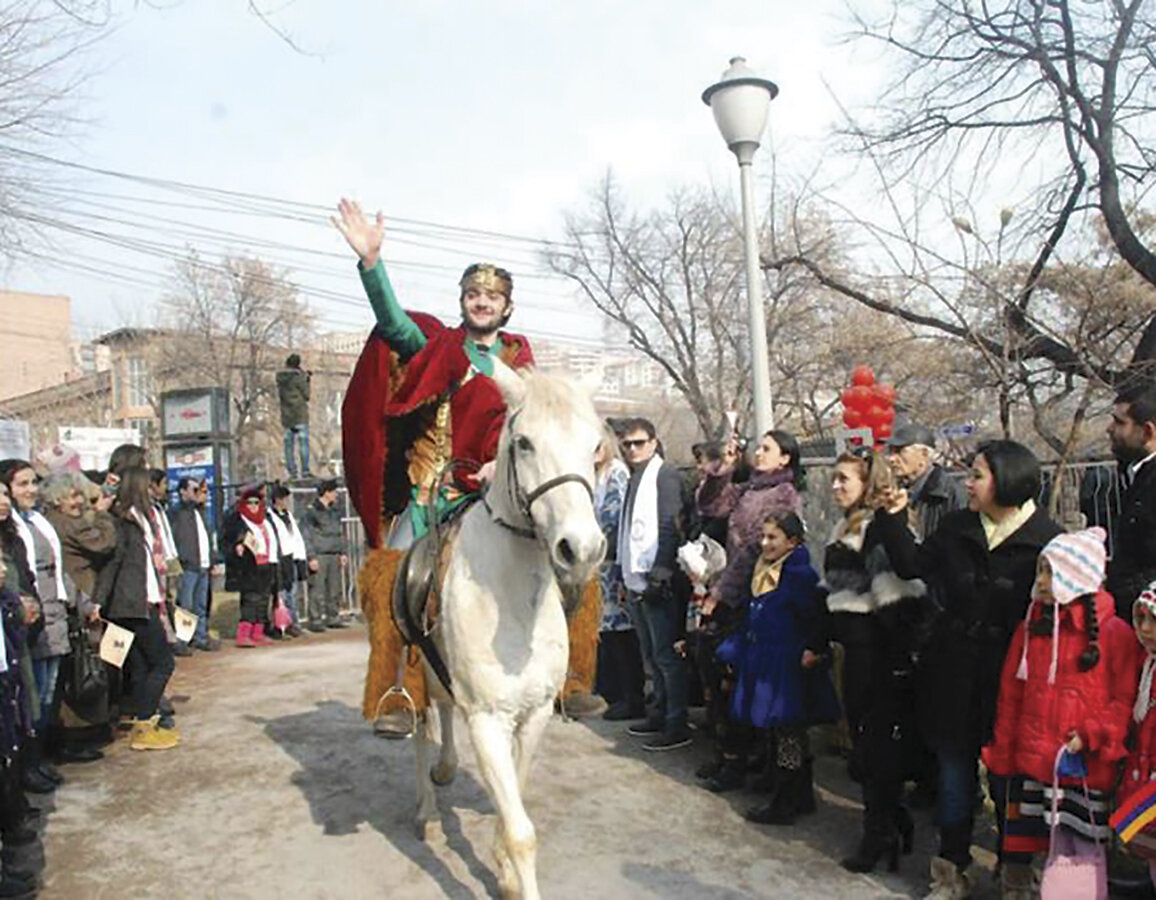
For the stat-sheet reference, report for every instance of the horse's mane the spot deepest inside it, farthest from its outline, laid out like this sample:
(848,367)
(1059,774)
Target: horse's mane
(553,395)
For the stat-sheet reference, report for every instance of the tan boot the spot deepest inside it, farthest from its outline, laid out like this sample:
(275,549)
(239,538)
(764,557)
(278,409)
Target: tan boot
(1017,881)
(147,736)
(583,705)
(947,882)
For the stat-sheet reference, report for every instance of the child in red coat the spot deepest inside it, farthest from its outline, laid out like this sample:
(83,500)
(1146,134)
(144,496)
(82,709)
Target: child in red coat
(1068,681)
(1141,766)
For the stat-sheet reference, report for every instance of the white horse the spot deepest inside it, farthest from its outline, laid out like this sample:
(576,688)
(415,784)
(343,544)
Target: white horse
(518,556)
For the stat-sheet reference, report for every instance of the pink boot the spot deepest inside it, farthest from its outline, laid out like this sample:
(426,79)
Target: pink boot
(245,634)
(259,639)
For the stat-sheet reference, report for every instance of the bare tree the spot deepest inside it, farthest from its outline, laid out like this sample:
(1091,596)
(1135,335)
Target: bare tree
(673,281)
(1069,87)
(231,324)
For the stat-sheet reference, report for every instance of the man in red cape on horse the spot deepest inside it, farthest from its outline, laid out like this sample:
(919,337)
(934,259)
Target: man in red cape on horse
(420,426)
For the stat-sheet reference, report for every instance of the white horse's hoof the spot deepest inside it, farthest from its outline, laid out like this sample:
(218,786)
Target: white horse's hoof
(442,774)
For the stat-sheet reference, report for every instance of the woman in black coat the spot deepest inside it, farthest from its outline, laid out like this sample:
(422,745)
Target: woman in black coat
(130,593)
(979,566)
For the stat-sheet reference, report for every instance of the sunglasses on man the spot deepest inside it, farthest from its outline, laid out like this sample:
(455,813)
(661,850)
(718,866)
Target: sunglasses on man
(637,442)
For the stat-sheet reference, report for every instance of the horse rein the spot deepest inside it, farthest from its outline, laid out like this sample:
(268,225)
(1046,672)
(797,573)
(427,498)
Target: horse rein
(524,501)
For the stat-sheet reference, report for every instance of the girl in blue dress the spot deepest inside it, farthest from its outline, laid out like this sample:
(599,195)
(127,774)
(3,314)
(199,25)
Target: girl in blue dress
(778,654)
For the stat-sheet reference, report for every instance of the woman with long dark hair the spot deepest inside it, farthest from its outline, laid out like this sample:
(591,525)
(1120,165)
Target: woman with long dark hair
(979,565)
(130,593)
(47,644)
(773,487)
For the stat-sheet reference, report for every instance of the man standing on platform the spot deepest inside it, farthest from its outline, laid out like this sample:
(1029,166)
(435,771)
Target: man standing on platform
(1132,432)
(293,392)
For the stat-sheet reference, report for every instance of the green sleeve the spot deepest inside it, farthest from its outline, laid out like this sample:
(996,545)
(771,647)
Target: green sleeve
(398,329)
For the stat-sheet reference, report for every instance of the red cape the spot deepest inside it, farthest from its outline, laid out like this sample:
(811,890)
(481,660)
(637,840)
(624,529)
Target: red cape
(378,420)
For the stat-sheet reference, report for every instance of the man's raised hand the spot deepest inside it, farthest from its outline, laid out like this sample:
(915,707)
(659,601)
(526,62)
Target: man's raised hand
(360,233)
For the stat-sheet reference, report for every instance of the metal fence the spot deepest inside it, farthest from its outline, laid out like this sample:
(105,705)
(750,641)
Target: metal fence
(303,497)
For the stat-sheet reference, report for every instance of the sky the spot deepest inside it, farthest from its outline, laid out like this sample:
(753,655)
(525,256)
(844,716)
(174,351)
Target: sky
(451,118)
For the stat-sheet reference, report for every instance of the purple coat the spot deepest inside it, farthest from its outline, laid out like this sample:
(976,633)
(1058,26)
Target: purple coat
(746,507)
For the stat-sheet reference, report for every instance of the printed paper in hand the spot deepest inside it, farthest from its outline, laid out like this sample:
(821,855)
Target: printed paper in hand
(185,624)
(115,644)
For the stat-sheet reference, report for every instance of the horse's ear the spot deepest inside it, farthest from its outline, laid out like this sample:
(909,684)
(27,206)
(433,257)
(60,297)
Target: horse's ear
(510,384)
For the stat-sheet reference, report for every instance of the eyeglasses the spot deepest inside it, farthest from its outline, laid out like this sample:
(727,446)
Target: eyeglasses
(637,442)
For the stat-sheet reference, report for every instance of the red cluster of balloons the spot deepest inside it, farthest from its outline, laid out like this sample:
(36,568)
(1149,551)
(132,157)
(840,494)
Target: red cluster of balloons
(869,405)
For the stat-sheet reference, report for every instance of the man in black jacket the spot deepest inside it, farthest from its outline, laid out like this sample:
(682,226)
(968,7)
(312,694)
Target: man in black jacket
(325,539)
(1132,432)
(931,492)
(647,552)
(191,537)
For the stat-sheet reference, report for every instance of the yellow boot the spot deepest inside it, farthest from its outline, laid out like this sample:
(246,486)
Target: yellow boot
(146,735)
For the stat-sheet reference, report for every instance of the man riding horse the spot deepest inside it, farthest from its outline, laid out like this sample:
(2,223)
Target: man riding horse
(420,426)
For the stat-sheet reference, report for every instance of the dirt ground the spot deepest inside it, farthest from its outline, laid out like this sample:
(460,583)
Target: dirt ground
(279,790)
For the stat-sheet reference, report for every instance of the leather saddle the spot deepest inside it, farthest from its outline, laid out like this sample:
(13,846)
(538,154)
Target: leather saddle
(414,602)
(412,587)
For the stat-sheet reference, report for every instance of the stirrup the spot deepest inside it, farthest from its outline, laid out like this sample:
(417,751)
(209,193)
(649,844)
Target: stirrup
(396,690)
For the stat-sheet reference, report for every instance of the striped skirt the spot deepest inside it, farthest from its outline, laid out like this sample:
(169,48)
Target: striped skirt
(1028,821)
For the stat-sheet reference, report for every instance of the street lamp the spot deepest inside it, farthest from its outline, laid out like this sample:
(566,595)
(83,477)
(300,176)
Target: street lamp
(739,102)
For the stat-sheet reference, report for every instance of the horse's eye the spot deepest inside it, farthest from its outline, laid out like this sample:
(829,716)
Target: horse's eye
(524,444)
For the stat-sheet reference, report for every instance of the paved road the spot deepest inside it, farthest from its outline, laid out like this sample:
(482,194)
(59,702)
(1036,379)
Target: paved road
(280,791)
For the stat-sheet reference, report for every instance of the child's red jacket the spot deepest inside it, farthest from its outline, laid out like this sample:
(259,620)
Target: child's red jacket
(1141,765)
(1034,718)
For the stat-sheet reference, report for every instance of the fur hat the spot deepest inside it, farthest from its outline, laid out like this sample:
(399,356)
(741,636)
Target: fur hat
(1077,561)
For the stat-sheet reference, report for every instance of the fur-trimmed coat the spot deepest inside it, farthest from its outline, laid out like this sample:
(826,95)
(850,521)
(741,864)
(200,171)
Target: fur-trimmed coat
(875,615)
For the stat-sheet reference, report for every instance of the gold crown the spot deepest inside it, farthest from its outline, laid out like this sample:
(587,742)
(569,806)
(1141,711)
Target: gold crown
(487,277)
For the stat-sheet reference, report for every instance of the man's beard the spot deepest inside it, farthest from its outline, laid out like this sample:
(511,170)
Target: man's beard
(1126,454)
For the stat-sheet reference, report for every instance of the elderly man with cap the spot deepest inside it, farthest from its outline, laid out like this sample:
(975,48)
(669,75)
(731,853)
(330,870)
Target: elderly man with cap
(932,494)
(420,427)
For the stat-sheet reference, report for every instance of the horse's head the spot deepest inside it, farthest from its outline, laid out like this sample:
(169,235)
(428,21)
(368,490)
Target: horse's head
(544,477)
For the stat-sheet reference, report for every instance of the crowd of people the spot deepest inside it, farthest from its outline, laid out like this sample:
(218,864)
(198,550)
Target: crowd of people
(952,622)
(82,550)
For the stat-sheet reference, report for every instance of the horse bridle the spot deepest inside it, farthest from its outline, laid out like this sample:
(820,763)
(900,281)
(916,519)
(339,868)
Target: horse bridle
(524,500)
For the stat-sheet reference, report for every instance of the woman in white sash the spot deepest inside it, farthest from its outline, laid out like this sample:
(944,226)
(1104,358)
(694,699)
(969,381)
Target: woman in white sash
(46,560)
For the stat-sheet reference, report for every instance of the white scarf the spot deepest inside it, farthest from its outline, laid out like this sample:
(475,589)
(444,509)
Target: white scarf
(638,543)
(1144,697)
(152,583)
(49,534)
(289,535)
(264,540)
(166,533)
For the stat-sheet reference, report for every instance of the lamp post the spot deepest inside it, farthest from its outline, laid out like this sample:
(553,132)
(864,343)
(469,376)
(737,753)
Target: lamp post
(739,102)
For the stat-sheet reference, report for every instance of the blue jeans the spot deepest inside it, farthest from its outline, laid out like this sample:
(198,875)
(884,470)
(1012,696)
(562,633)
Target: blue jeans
(656,619)
(300,434)
(955,805)
(193,595)
(289,598)
(46,671)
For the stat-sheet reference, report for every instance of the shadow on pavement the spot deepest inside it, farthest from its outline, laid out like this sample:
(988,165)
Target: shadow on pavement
(350,778)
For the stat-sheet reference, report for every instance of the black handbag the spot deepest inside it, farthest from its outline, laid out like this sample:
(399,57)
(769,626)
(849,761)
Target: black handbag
(87,677)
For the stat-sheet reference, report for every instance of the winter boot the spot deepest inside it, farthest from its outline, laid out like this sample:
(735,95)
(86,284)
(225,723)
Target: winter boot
(259,638)
(1017,881)
(147,736)
(784,805)
(245,634)
(805,789)
(730,776)
(947,881)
